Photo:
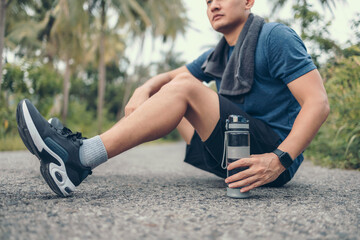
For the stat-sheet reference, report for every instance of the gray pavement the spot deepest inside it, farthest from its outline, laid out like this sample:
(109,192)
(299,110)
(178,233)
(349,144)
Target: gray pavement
(150,193)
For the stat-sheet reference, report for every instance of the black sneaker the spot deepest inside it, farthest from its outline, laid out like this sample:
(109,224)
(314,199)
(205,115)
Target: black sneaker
(57,149)
(56,123)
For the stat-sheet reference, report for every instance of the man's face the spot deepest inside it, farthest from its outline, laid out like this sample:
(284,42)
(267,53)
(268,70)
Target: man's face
(226,15)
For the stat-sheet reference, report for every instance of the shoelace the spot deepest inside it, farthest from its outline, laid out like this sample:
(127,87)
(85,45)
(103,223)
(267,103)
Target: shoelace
(73,136)
(69,134)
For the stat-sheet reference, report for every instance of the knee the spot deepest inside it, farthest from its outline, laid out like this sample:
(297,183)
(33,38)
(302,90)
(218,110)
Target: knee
(183,83)
(184,76)
(183,79)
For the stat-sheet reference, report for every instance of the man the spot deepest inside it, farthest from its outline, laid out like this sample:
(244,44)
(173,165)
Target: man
(282,95)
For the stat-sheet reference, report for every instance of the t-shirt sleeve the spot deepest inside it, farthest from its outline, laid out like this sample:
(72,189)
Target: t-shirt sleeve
(287,55)
(195,67)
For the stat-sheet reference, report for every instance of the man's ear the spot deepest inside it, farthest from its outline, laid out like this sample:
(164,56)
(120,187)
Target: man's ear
(249,4)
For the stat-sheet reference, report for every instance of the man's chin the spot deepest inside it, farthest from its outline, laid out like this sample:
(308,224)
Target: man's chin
(217,26)
(221,29)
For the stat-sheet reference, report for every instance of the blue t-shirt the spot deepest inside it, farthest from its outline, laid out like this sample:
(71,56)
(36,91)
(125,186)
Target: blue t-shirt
(280,58)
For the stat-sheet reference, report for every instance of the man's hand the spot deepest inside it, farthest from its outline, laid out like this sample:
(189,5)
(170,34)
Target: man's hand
(139,97)
(263,168)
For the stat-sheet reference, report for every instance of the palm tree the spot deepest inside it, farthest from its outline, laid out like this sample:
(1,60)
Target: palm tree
(101,8)
(135,16)
(168,18)
(65,41)
(75,33)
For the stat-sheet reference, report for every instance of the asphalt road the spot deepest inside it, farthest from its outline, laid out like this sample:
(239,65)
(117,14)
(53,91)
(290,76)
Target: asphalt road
(150,193)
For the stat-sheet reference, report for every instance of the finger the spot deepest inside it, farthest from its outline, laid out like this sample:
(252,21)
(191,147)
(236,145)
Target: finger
(128,112)
(240,175)
(244,182)
(243,162)
(251,186)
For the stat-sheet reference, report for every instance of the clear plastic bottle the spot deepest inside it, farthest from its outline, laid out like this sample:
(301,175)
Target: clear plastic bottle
(236,146)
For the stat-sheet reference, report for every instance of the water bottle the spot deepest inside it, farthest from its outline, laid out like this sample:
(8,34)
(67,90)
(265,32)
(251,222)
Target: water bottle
(236,146)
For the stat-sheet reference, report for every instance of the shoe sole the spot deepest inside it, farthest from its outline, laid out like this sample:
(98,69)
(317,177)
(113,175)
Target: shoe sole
(52,167)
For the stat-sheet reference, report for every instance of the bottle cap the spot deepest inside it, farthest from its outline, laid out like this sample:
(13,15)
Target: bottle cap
(237,122)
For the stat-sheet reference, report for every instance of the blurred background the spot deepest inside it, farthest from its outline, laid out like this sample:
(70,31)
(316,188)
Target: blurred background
(81,60)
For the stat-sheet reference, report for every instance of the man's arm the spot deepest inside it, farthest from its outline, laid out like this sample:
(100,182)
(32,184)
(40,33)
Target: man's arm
(309,91)
(151,87)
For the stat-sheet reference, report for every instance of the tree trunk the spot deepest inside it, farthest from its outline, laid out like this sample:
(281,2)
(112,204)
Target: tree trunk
(102,70)
(66,90)
(2,35)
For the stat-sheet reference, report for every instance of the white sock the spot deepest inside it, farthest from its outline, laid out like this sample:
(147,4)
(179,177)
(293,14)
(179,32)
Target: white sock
(93,152)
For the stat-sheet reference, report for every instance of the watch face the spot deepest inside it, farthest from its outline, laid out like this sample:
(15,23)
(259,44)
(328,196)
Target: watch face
(286,160)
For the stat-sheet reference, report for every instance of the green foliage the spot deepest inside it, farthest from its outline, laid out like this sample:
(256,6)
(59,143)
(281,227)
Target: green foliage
(14,79)
(84,89)
(82,120)
(45,84)
(58,32)
(114,99)
(12,84)
(45,81)
(338,141)
(38,83)
(7,121)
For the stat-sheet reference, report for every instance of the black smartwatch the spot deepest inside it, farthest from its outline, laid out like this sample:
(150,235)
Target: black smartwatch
(284,157)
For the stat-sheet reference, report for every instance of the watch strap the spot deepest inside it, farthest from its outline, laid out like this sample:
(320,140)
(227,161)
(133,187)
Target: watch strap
(284,158)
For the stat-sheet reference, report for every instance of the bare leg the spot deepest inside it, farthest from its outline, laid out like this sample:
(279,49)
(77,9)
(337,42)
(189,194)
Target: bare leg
(184,96)
(186,130)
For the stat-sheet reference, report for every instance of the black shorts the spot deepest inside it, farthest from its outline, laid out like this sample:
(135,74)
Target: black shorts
(208,155)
